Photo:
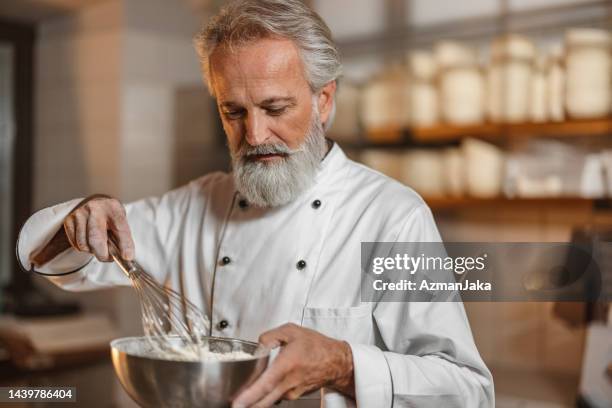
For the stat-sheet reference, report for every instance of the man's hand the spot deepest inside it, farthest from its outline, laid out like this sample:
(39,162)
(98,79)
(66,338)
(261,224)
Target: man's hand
(308,360)
(86,229)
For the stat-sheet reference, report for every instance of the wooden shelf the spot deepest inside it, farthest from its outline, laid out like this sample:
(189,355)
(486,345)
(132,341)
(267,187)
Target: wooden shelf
(445,133)
(396,137)
(596,127)
(447,203)
(387,135)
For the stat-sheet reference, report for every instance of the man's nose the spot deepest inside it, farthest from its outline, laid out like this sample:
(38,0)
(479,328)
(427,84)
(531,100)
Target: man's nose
(256,130)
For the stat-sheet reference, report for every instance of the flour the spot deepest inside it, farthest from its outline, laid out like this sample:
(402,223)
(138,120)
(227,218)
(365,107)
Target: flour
(148,350)
(205,355)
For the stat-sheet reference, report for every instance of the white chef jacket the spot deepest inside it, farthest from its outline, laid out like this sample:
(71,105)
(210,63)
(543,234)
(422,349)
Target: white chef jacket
(255,269)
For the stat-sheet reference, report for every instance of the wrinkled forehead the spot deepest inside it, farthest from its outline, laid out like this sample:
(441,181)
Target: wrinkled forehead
(271,64)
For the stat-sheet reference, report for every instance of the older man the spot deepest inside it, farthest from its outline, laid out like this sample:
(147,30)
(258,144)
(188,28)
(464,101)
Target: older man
(274,247)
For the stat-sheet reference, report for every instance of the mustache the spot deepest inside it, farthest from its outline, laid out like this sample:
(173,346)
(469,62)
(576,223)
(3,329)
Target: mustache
(246,150)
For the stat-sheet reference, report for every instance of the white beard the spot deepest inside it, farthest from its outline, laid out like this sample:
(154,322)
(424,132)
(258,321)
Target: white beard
(275,184)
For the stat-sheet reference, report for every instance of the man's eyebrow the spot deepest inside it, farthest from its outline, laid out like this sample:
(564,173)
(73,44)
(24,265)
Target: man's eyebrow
(229,104)
(266,102)
(269,101)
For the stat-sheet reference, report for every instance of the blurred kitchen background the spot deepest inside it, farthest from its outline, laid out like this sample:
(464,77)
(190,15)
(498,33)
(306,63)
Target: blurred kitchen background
(498,112)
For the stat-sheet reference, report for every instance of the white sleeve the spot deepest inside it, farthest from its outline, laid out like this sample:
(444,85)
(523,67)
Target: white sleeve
(427,356)
(373,383)
(334,399)
(153,223)
(38,231)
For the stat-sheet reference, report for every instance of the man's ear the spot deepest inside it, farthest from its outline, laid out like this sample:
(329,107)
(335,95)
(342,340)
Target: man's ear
(326,101)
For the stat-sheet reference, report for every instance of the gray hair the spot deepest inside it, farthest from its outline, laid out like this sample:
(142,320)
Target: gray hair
(242,21)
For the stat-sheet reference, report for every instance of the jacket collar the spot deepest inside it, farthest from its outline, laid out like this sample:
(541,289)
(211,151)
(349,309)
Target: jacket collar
(331,164)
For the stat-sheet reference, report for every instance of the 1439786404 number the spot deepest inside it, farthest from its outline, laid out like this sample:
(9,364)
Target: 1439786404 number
(37,394)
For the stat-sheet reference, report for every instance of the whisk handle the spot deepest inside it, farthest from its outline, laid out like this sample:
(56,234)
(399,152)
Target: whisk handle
(128,267)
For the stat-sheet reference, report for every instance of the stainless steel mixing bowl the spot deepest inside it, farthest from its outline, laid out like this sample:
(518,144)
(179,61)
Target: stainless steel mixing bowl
(154,382)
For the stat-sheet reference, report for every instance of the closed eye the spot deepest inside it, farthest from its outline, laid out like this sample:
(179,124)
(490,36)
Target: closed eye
(233,114)
(276,111)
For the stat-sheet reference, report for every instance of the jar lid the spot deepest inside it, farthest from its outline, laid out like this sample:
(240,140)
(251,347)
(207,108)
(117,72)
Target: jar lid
(450,53)
(422,65)
(513,46)
(588,36)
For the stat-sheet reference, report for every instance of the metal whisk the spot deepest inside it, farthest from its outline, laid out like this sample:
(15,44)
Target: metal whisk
(167,316)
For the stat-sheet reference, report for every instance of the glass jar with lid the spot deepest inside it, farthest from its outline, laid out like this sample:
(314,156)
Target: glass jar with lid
(555,84)
(384,106)
(588,63)
(373,108)
(538,89)
(460,84)
(509,79)
(423,92)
